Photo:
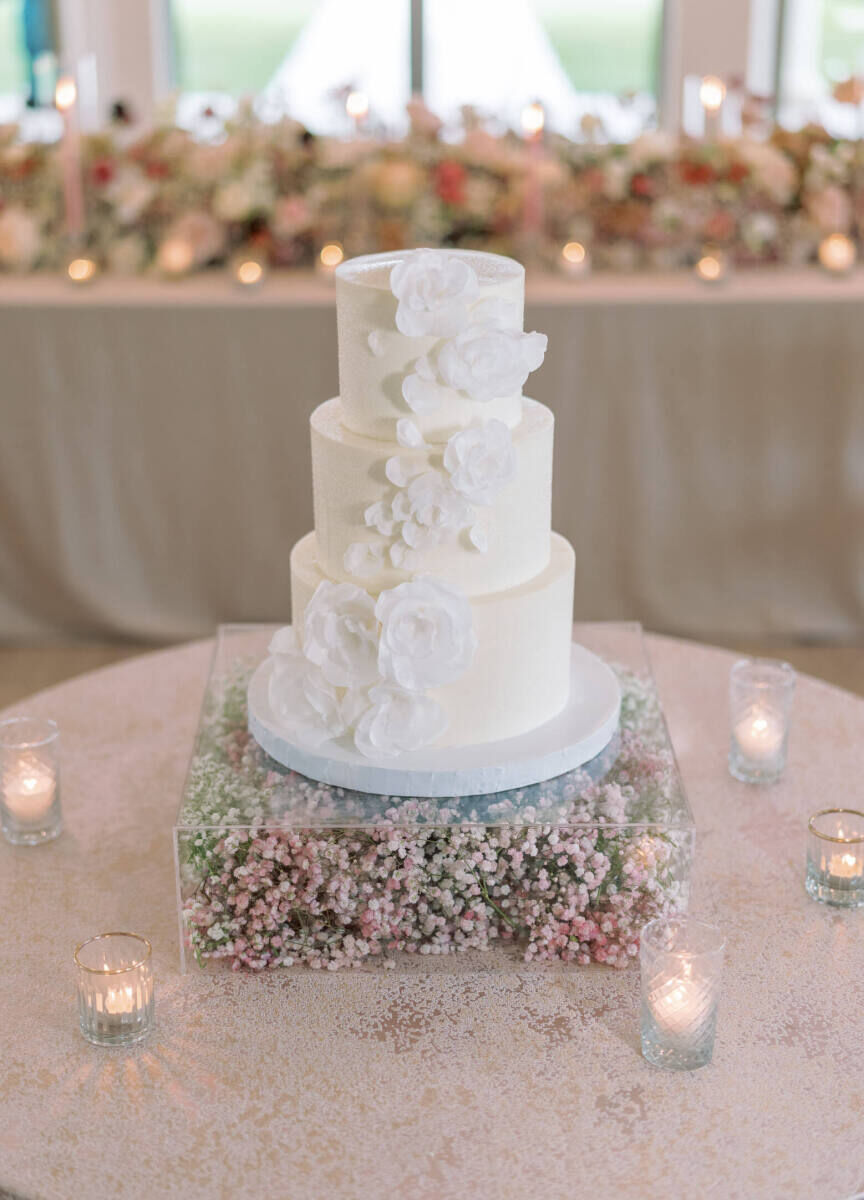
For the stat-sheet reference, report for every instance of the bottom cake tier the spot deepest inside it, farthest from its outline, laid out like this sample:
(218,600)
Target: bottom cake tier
(520,675)
(277,870)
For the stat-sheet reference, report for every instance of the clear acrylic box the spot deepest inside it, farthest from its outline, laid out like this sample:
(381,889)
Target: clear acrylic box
(276,870)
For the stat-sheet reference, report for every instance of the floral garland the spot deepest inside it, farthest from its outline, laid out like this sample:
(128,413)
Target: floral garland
(277,870)
(652,204)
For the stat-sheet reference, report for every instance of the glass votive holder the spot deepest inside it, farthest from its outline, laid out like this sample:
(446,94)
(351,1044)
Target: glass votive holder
(115,988)
(835,857)
(681,961)
(29,780)
(760,705)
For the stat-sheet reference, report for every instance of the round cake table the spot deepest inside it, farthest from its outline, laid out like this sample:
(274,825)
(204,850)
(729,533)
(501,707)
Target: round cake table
(440,1084)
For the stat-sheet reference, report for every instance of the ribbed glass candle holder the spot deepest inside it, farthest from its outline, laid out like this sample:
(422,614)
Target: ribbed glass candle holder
(681,961)
(30,780)
(115,988)
(835,857)
(760,705)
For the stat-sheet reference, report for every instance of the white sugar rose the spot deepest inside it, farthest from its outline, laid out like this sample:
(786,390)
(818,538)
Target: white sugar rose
(434,290)
(340,634)
(431,511)
(301,697)
(20,239)
(427,638)
(421,390)
(488,363)
(481,461)
(398,721)
(364,559)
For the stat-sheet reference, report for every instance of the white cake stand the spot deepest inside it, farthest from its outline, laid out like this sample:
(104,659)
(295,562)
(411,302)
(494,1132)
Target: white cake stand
(574,737)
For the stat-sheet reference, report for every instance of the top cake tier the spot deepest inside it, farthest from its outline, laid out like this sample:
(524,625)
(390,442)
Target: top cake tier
(393,310)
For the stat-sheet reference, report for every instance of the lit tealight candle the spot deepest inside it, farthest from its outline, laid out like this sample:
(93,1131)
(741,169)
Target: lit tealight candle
(575,260)
(712,267)
(29,781)
(175,257)
(248,272)
(533,120)
(81,270)
(845,866)
(675,1004)
(759,735)
(29,793)
(837,254)
(357,108)
(329,258)
(835,857)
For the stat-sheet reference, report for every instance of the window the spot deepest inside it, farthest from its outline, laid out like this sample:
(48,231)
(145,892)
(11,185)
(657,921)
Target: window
(579,57)
(822,49)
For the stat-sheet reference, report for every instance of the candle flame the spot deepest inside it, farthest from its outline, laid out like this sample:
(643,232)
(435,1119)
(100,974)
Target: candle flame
(709,267)
(80,270)
(357,105)
(331,254)
(712,92)
(249,272)
(837,252)
(574,252)
(533,118)
(66,93)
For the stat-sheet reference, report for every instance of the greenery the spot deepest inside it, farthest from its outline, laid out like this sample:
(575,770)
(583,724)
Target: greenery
(12,60)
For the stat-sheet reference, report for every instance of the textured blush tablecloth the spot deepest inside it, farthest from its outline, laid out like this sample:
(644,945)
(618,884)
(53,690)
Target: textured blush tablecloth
(709,452)
(524,1084)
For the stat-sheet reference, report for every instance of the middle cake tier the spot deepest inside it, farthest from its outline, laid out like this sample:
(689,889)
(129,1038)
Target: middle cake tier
(476,546)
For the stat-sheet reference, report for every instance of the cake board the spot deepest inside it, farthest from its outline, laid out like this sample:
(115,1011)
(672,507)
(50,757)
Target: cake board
(583,729)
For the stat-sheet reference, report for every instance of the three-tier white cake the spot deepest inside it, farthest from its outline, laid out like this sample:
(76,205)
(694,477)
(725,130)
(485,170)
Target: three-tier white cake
(432,604)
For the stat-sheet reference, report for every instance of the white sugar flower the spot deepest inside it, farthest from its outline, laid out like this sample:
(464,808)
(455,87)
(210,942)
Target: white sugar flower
(421,390)
(408,434)
(403,557)
(481,461)
(301,697)
(401,470)
(488,363)
(398,721)
(431,510)
(380,516)
(427,638)
(340,634)
(364,559)
(434,290)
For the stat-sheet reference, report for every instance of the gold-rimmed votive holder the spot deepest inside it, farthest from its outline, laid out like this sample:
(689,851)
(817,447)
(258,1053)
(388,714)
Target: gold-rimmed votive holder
(30,780)
(835,857)
(115,988)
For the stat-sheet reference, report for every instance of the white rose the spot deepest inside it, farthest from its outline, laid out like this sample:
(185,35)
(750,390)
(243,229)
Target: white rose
(481,461)
(488,363)
(427,637)
(20,239)
(431,511)
(434,290)
(398,721)
(301,697)
(340,634)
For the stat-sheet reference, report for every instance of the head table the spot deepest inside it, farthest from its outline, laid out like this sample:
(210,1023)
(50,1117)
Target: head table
(431,1083)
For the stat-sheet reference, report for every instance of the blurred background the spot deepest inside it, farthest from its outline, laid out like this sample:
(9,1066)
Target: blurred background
(179,178)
